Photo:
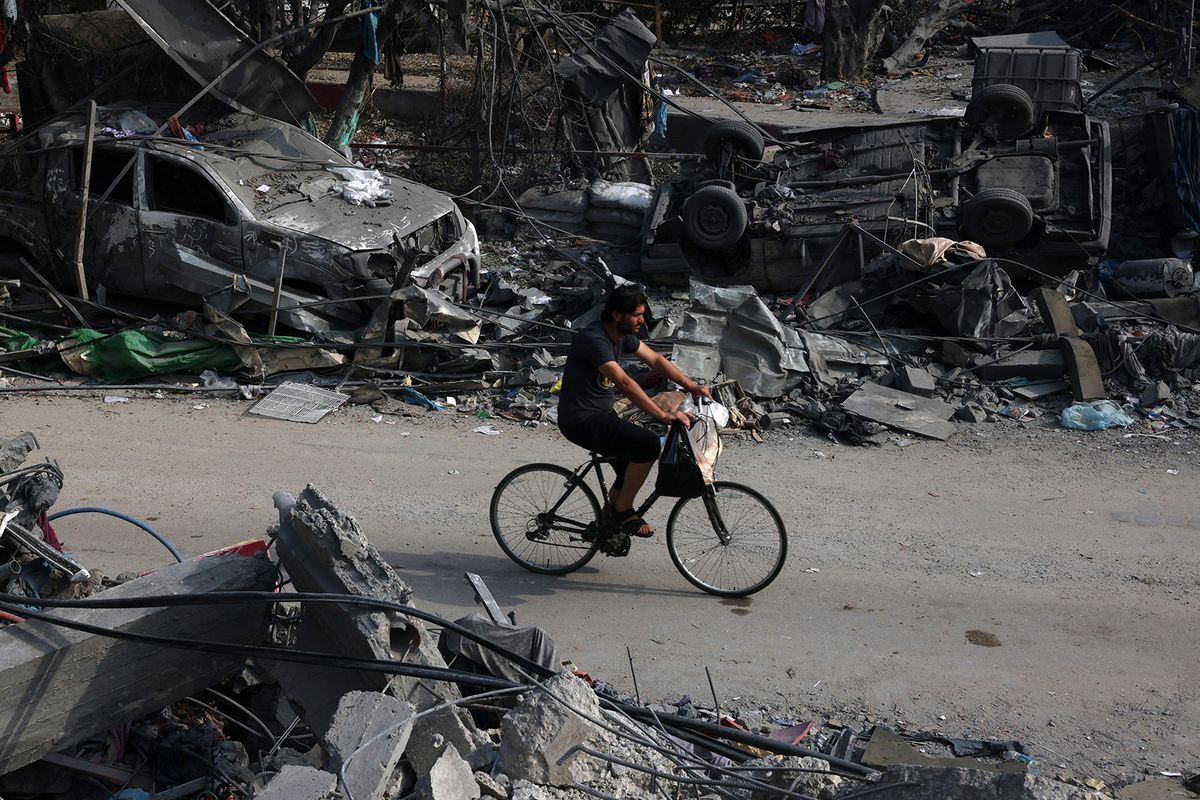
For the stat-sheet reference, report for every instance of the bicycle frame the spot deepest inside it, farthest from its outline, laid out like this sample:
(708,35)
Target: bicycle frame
(579,476)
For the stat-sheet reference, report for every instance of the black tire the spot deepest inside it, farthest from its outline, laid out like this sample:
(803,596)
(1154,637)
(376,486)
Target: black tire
(1003,110)
(747,141)
(714,217)
(996,217)
(528,492)
(754,555)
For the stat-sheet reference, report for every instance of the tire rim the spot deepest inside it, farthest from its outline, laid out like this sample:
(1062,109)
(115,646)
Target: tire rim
(714,220)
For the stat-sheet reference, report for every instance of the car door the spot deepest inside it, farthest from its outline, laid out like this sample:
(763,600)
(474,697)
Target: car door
(187,210)
(112,254)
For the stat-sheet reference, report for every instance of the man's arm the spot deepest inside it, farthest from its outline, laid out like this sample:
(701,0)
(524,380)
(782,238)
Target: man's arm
(659,363)
(629,387)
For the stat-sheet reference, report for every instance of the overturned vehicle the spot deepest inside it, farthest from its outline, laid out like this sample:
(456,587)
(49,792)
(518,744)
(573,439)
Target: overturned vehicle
(1039,194)
(246,213)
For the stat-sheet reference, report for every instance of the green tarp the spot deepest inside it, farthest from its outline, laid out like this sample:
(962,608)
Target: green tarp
(12,341)
(152,351)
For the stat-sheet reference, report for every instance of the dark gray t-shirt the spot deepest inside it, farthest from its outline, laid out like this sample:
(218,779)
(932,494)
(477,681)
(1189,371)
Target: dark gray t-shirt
(584,390)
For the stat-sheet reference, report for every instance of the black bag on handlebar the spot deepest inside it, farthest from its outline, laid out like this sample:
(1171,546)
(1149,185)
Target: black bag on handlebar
(678,473)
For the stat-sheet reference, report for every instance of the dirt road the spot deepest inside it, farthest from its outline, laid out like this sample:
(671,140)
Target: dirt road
(1072,555)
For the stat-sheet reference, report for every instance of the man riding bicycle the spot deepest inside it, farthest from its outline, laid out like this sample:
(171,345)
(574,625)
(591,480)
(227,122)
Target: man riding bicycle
(590,381)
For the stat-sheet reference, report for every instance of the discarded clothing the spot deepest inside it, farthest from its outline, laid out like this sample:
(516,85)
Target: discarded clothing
(527,640)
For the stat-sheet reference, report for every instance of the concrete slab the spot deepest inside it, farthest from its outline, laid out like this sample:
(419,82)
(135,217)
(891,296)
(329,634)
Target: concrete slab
(360,719)
(60,686)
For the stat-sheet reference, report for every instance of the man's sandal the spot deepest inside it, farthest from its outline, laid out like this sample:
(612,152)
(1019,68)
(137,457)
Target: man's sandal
(631,524)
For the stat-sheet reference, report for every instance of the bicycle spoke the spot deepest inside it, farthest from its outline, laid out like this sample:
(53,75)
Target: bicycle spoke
(529,533)
(751,556)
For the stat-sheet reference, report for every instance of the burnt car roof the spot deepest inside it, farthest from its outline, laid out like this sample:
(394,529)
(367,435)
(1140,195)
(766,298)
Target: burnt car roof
(248,151)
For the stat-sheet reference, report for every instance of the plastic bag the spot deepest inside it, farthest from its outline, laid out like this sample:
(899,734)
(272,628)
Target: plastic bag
(704,435)
(678,473)
(1094,416)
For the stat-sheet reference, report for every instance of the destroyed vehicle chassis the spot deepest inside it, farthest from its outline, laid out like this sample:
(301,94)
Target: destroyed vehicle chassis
(1042,199)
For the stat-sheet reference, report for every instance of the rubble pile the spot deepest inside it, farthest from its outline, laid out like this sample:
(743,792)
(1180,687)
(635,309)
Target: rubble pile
(335,686)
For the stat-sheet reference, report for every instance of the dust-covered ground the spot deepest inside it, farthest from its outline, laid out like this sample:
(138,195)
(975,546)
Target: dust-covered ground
(1070,558)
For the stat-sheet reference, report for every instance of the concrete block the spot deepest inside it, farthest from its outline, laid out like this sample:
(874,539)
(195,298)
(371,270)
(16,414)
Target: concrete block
(1083,371)
(1157,394)
(433,733)
(970,413)
(938,783)
(491,787)
(1055,311)
(917,381)
(1031,364)
(955,354)
(324,550)
(540,730)
(300,783)
(361,717)
(60,686)
(450,778)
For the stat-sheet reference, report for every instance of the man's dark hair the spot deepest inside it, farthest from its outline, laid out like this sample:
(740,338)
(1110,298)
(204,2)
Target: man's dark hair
(624,300)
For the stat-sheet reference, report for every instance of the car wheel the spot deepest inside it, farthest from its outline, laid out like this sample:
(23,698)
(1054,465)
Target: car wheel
(1001,110)
(714,218)
(997,217)
(746,140)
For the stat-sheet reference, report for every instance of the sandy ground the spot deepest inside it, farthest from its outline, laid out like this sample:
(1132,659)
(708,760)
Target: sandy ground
(1075,552)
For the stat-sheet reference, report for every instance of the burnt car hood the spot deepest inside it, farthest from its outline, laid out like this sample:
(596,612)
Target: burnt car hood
(312,207)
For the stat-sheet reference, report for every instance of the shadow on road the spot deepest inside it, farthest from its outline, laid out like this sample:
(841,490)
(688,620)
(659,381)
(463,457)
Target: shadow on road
(439,578)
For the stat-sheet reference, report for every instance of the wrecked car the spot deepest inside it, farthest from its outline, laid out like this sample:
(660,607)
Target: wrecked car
(1037,194)
(223,213)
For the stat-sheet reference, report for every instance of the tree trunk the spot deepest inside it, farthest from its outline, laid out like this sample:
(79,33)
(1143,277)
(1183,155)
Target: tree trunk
(854,31)
(312,53)
(362,71)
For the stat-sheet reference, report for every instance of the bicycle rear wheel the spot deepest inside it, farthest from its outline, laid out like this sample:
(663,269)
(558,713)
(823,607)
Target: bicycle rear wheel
(552,544)
(729,542)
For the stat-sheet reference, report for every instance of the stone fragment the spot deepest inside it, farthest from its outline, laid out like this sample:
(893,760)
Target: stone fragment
(540,730)
(367,736)
(300,783)
(450,778)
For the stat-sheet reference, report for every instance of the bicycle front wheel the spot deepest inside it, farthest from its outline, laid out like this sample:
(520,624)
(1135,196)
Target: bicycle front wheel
(533,531)
(730,541)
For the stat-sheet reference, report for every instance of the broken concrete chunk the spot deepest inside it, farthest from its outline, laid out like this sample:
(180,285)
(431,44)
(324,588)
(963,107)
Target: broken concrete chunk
(1157,394)
(369,731)
(915,380)
(58,686)
(1083,370)
(300,783)
(541,730)
(937,783)
(491,787)
(802,774)
(1055,311)
(1031,364)
(14,450)
(970,413)
(433,733)
(450,778)
(524,790)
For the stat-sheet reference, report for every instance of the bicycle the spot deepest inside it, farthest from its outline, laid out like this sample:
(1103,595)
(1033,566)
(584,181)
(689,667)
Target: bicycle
(558,536)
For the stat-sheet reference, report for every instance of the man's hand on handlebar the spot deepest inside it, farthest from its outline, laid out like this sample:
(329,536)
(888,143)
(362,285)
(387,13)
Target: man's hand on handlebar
(699,390)
(678,416)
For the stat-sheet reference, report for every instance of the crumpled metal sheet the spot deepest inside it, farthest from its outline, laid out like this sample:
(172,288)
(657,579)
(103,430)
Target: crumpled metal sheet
(731,330)
(206,43)
(983,305)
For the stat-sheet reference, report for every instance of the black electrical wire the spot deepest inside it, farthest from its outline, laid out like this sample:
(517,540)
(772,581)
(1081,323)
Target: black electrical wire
(259,652)
(272,598)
